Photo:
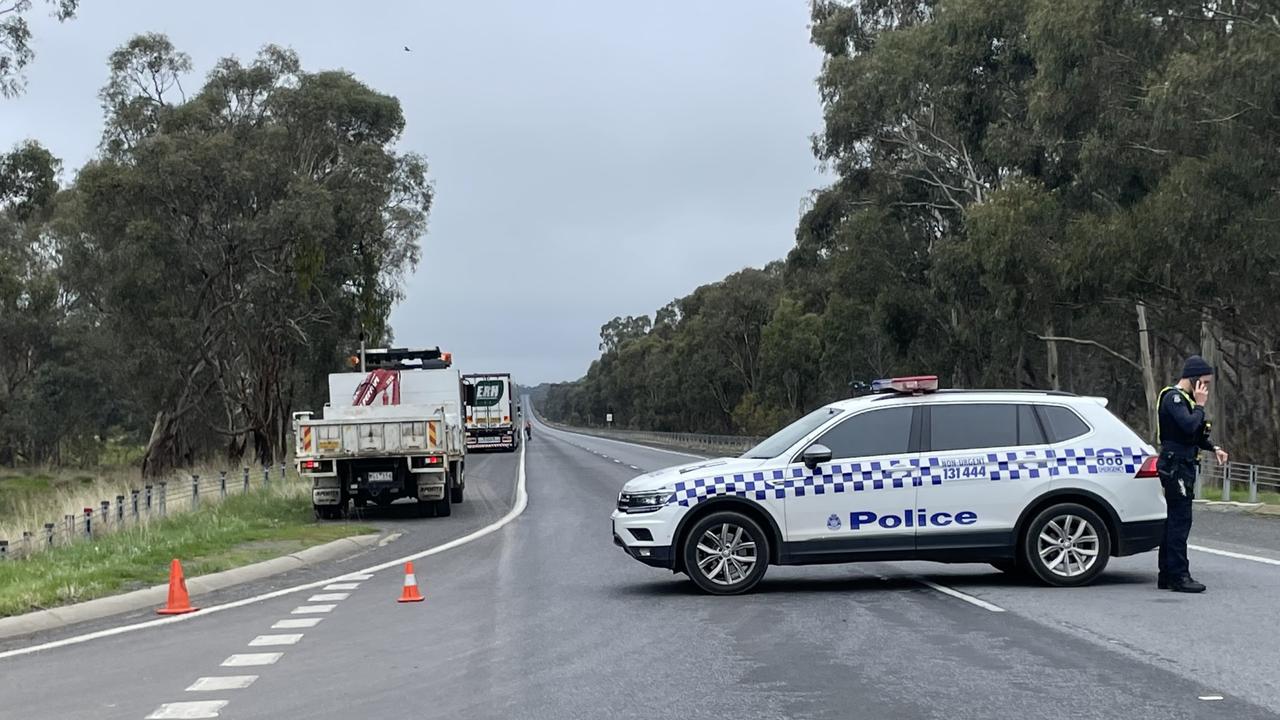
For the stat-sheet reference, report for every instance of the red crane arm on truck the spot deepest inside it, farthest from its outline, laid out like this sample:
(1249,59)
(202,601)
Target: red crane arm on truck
(378,383)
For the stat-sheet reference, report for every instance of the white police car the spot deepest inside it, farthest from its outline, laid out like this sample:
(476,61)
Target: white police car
(1047,483)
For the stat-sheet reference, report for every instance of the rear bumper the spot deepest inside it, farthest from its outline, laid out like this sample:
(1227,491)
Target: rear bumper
(1139,537)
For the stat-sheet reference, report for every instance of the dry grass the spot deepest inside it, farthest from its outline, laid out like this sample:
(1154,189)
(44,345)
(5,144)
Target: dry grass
(31,498)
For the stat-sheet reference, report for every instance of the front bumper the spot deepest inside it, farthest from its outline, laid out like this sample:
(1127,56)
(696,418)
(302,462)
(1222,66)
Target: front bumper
(1139,537)
(648,537)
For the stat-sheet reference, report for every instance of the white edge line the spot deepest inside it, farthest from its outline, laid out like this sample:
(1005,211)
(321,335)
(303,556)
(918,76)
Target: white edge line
(1236,555)
(960,596)
(522,501)
(193,709)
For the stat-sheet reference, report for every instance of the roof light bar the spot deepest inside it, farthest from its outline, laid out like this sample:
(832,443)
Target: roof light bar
(913,385)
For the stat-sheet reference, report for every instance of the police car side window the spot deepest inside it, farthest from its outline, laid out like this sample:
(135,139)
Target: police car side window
(955,426)
(1061,423)
(1029,429)
(878,432)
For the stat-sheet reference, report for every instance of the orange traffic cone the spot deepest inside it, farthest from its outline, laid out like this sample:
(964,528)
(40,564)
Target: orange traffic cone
(410,593)
(179,602)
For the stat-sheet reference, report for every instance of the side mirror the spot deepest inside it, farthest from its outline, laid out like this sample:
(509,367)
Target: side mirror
(815,455)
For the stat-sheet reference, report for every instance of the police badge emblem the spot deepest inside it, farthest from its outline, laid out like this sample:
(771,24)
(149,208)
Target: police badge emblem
(833,522)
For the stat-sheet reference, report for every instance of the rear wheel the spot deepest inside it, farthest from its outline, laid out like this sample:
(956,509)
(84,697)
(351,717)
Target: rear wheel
(328,512)
(1066,545)
(726,553)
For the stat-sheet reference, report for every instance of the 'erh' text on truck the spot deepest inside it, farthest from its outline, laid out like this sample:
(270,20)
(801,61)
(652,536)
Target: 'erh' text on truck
(492,423)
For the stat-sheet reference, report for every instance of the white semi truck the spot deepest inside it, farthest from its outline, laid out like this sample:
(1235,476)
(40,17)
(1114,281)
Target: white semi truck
(393,431)
(492,422)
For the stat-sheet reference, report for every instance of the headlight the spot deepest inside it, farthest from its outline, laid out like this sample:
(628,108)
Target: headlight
(643,502)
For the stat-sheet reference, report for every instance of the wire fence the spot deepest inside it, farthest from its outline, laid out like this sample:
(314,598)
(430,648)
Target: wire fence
(144,504)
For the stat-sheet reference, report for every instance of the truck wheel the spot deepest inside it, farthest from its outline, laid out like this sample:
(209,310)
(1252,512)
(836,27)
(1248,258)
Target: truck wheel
(328,512)
(456,488)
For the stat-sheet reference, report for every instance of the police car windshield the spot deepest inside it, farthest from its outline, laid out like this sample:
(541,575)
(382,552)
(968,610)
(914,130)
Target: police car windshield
(782,440)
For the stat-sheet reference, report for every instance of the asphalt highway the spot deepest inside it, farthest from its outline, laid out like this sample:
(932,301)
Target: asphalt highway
(543,618)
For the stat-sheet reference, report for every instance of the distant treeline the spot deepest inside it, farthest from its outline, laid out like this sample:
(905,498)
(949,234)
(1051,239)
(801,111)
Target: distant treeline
(1040,194)
(198,278)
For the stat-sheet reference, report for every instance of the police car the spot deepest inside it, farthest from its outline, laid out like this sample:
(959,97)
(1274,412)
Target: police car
(1047,484)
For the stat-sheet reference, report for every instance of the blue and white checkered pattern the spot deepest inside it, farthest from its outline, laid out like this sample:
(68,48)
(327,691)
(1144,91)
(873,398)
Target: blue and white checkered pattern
(798,481)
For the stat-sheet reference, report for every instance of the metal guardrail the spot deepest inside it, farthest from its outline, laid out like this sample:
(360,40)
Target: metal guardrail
(152,501)
(1222,479)
(693,441)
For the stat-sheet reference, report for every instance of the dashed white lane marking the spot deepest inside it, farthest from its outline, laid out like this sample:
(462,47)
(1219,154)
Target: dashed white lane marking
(328,597)
(633,467)
(295,623)
(617,461)
(273,640)
(312,609)
(522,502)
(1210,697)
(1236,555)
(188,710)
(960,596)
(341,586)
(224,682)
(252,659)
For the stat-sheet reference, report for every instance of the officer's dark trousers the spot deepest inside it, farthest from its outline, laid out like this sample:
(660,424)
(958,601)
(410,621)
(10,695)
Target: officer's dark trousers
(1176,475)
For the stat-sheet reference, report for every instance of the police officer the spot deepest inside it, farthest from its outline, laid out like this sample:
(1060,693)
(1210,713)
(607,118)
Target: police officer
(1183,433)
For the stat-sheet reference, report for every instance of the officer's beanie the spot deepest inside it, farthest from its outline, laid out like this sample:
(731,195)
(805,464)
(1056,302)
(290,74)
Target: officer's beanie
(1196,367)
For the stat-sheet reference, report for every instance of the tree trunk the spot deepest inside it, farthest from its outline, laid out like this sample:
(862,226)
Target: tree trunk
(1055,379)
(1209,350)
(1148,369)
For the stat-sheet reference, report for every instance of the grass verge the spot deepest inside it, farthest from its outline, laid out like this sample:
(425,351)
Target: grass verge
(241,530)
(1213,491)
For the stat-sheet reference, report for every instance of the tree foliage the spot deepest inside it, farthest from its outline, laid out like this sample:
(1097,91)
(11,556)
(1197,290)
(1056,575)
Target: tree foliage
(225,250)
(15,39)
(1012,180)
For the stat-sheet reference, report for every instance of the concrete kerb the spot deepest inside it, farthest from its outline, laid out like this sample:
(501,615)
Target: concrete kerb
(1231,506)
(54,618)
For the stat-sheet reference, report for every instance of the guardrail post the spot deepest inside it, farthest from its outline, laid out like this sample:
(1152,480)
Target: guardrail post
(119,509)
(147,489)
(222,484)
(195,491)
(70,522)
(1226,482)
(246,478)
(105,516)
(1253,483)
(133,503)
(88,522)
(26,542)
(48,534)
(4,550)
(164,497)
(283,477)
(266,476)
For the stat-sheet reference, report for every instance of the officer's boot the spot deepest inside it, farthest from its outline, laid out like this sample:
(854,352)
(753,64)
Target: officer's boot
(1162,582)
(1186,585)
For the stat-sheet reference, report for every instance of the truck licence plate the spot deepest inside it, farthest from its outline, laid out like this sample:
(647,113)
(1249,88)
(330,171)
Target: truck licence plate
(488,440)
(382,477)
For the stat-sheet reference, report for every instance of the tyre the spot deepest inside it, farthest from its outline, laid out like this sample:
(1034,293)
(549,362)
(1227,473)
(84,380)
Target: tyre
(328,512)
(456,490)
(725,553)
(443,508)
(1066,545)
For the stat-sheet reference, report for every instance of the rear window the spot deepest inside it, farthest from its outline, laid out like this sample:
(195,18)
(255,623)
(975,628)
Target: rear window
(955,426)
(1061,423)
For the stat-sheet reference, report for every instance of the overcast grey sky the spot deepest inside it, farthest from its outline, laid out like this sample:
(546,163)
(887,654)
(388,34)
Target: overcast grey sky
(591,158)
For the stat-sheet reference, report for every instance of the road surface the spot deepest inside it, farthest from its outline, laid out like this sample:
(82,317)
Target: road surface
(543,618)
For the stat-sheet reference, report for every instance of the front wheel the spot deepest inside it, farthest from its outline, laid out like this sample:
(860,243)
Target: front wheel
(1066,545)
(726,553)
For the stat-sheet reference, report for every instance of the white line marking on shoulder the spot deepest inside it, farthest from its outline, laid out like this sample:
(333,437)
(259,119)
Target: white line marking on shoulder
(341,586)
(522,501)
(224,682)
(389,539)
(252,659)
(309,609)
(295,623)
(1236,555)
(959,595)
(273,640)
(188,710)
(328,597)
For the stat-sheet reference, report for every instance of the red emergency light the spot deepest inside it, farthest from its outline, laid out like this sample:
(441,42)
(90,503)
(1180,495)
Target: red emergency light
(914,384)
